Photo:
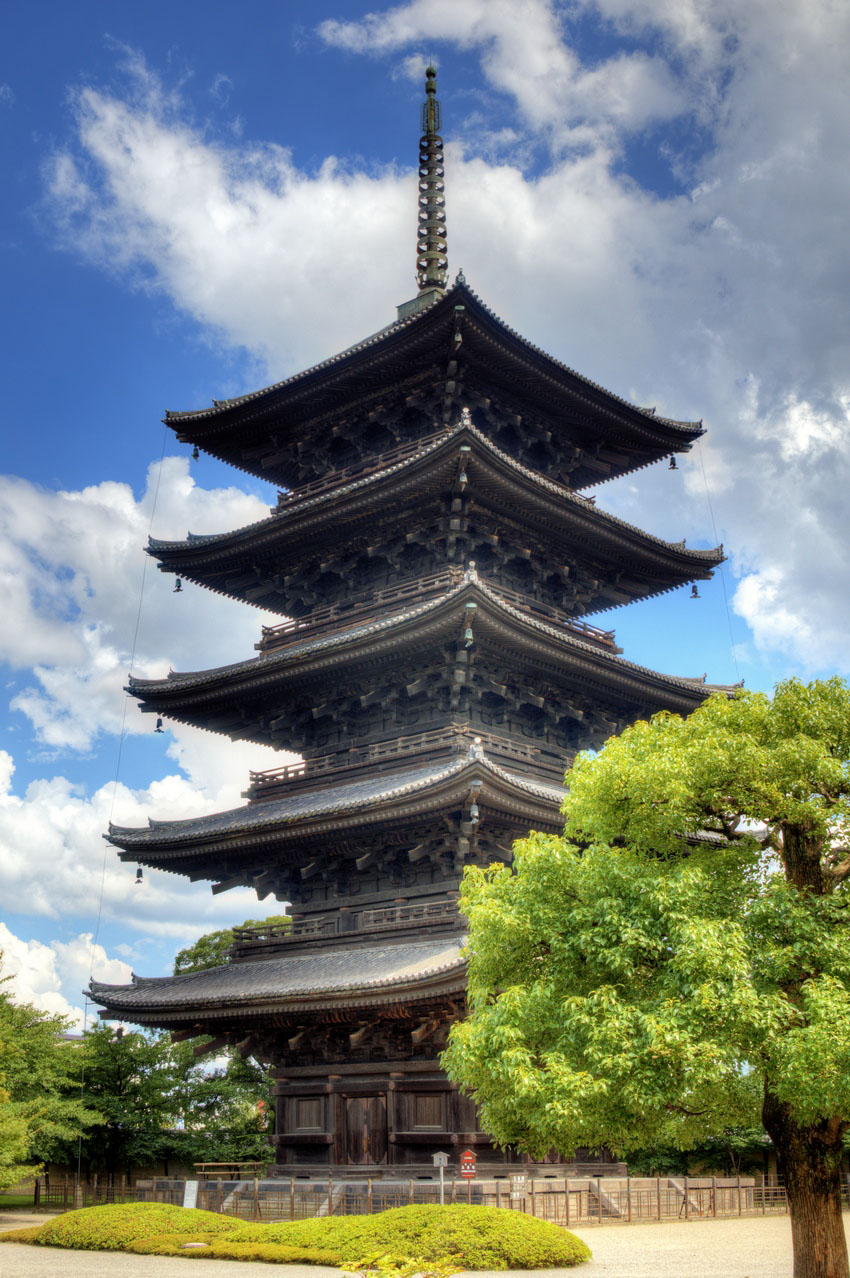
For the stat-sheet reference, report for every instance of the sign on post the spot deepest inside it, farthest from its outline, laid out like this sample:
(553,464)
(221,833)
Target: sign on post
(441,1161)
(467,1164)
(190,1193)
(518,1185)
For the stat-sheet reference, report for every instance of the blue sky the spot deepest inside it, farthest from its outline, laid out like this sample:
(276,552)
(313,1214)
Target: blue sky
(203,198)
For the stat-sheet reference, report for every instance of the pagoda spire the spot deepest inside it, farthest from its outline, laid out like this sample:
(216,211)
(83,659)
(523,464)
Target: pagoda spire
(431,261)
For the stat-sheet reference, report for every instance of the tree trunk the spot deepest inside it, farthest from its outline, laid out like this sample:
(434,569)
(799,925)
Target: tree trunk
(809,1157)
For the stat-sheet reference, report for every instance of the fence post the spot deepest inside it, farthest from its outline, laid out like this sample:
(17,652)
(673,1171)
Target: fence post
(330,1196)
(599,1198)
(763,1197)
(291,1197)
(498,1193)
(567,1201)
(94,1191)
(714,1197)
(454,1189)
(687,1199)
(65,1193)
(369,1196)
(256,1198)
(533,1203)
(739,1195)
(629,1199)
(468,1190)
(658,1195)
(410,1191)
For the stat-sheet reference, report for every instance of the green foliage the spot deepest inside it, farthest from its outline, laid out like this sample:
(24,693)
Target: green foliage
(639,981)
(27,1235)
(470,1237)
(114,1227)
(38,1107)
(439,1240)
(210,950)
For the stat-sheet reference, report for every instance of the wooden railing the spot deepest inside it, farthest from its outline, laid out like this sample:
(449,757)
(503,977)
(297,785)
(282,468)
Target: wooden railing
(423,746)
(357,470)
(335,616)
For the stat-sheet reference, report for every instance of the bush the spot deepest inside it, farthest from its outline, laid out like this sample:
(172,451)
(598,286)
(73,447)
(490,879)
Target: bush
(455,1236)
(222,1248)
(25,1235)
(474,1237)
(114,1227)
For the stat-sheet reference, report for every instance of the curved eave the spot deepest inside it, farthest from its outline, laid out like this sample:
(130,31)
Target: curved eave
(548,507)
(223,428)
(433,619)
(385,802)
(371,977)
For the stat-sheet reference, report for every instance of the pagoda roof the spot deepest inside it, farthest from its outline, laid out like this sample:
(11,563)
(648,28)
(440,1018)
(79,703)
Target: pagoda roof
(382,797)
(191,696)
(314,516)
(421,344)
(366,976)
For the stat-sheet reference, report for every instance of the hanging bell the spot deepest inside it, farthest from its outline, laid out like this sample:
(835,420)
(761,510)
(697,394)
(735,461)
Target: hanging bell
(178,586)
(195,453)
(694,592)
(474,814)
(673,463)
(139,875)
(463,479)
(468,637)
(159,727)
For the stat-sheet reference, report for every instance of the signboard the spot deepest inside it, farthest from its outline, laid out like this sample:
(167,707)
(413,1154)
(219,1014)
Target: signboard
(518,1185)
(440,1160)
(190,1194)
(467,1164)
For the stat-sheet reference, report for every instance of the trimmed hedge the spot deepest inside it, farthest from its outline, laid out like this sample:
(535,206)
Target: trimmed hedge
(223,1248)
(467,1237)
(474,1237)
(114,1227)
(25,1235)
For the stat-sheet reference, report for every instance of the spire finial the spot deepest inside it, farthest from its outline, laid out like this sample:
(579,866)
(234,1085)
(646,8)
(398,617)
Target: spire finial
(431,261)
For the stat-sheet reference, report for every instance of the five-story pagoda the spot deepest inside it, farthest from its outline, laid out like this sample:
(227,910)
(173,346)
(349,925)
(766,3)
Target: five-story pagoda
(432,556)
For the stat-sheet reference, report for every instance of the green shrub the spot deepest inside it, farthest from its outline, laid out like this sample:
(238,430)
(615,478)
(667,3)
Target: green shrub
(113,1227)
(222,1248)
(25,1235)
(473,1237)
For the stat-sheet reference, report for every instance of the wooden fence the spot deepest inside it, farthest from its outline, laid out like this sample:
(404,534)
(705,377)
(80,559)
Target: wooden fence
(572,1201)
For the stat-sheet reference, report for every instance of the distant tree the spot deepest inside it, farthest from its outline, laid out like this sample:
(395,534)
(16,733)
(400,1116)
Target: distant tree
(681,959)
(210,950)
(39,1110)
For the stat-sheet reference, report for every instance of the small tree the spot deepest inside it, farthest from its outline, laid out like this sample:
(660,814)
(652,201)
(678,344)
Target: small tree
(210,950)
(681,959)
(39,1109)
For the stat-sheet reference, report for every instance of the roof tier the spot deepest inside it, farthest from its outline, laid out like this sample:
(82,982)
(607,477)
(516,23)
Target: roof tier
(462,498)
(371,976)
(460,640)
(453,353)
(415,816)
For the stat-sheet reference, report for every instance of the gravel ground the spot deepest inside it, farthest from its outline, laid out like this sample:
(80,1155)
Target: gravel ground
(755,1247)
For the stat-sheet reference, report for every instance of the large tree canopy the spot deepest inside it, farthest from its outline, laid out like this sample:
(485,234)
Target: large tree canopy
(680,960)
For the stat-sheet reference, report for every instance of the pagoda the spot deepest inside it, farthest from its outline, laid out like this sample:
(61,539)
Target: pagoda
(433,556)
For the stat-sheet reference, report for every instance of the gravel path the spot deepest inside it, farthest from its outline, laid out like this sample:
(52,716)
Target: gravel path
(756,1247)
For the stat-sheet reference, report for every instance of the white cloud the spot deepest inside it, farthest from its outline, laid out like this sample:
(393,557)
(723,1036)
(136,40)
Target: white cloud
(729,301)
(71,567)
(54,861)
(52,977)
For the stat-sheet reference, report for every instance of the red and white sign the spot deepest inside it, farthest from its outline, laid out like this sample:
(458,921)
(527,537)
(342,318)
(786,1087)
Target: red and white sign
(467,1164)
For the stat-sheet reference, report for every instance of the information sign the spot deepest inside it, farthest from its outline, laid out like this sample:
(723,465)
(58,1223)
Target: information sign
(190,1194)
(467,1164)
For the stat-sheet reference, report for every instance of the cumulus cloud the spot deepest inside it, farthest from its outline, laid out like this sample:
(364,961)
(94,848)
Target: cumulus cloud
(54,862)
(727,300)
(52,977)
(71,570)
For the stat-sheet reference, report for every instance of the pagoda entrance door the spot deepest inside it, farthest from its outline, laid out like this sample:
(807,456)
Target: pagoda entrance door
(365,1129)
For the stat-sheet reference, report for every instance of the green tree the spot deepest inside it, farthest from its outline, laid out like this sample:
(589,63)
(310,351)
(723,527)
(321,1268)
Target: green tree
(39,1108)
(210,950)
(680,960)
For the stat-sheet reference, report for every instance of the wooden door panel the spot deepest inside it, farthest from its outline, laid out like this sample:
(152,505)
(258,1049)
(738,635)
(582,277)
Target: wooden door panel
(365,1129)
